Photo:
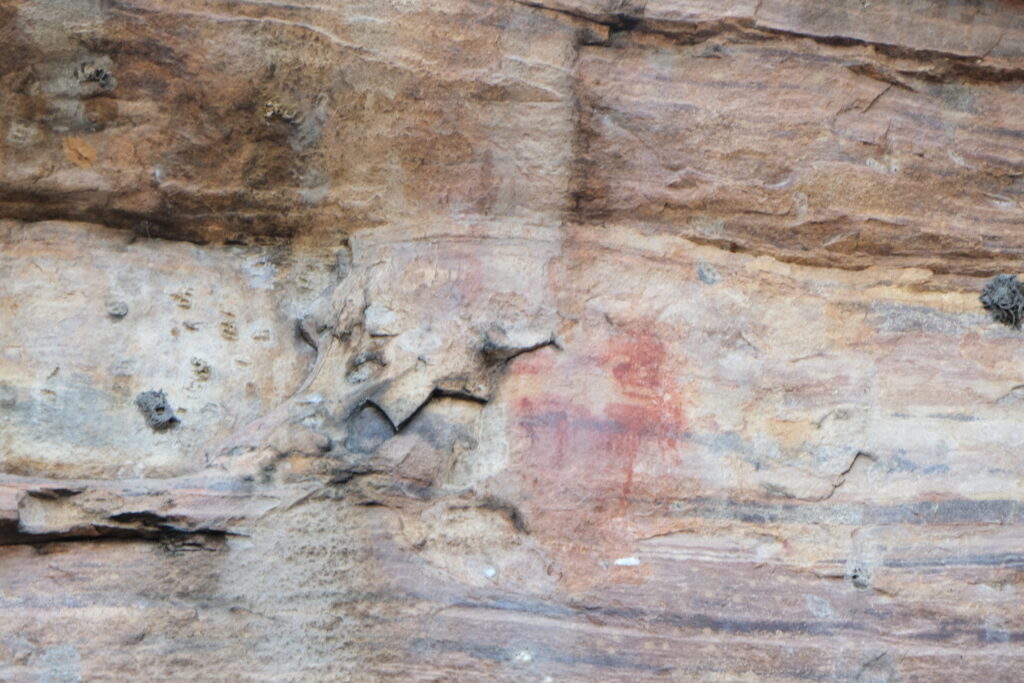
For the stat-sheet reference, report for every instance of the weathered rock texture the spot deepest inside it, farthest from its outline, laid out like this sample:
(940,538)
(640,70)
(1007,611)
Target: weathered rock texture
(555,340)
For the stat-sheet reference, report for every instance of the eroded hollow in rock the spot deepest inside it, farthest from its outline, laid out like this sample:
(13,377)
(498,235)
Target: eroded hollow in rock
(155,407)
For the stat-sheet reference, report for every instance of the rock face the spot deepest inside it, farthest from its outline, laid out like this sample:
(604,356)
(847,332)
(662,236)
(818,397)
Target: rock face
(506,340)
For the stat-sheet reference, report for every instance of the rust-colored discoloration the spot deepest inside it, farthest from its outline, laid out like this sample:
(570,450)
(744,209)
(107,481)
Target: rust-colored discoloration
(634,414)
(79,152)
(652,411)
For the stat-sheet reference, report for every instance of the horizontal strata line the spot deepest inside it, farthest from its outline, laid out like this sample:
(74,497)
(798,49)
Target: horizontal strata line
(670,554)
(950,511)
(962,65)
(950,629)
(951,263)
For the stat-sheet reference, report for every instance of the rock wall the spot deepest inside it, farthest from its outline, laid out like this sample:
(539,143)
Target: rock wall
(506,340)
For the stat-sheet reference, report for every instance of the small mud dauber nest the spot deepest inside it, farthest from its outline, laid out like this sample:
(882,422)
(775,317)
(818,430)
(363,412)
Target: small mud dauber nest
(1003,298)
(156,409)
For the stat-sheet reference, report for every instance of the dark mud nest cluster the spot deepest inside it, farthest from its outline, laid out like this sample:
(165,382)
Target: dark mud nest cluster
(1003,298)
(89,73)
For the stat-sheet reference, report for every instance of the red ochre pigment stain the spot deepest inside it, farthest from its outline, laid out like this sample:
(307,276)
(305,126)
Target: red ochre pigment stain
(652,410)
(595,450)
(636,362)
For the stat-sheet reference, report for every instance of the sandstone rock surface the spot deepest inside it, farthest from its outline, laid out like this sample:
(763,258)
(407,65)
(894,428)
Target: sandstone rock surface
(507,340)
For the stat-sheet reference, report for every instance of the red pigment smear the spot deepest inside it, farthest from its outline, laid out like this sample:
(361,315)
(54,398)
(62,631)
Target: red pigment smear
(582,445)
(653,409)
(466,284)
(555,422)
(636,362)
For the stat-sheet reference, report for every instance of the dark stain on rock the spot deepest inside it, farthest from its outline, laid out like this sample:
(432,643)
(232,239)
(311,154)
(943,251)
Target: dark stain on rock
(87,72)
(860,577)
(8,395)
(369,427)
(510,511)
(363,366)
(117,309)
(951,511)
(878,669)
(53,493)
(707,273)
